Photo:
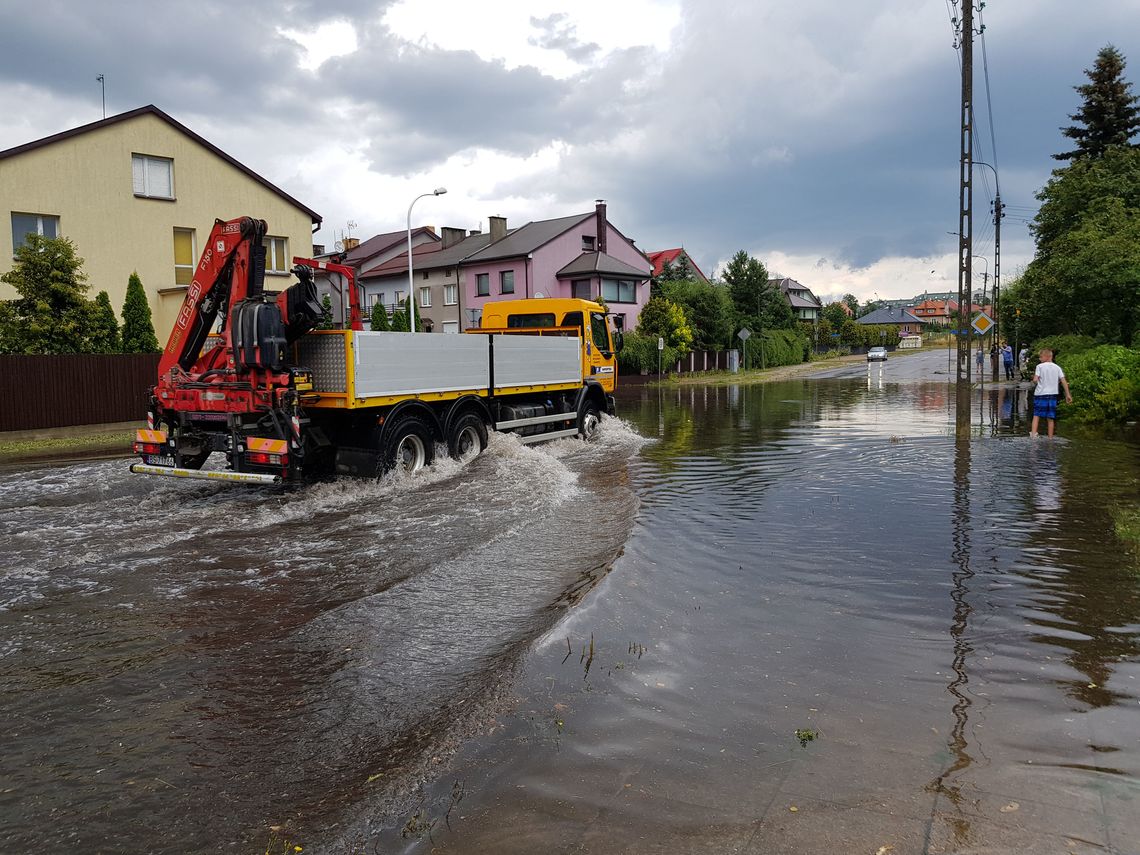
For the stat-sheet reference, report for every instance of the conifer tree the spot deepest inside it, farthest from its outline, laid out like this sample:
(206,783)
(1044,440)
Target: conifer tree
(50,313)
(326,321)
(1109,115)
(138,328)
(380,318)
(103,327)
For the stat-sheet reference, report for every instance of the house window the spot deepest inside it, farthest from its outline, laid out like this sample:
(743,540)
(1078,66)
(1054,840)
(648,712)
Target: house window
(450,295)
(507,282)
(619,291)
(451,326)
(152,177)
(425,297)
(32,224)
(588,243)
(183,256)
(426,274)
(483,285)
(580,289)
(276,255)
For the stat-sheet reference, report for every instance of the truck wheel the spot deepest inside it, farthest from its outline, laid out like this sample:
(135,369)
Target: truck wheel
(590,422)
(410,445)
(467,438)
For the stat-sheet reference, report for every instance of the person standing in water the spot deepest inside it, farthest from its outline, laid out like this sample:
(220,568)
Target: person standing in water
(1049,375)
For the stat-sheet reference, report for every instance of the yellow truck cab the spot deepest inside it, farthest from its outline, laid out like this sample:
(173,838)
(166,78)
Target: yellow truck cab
(558,316)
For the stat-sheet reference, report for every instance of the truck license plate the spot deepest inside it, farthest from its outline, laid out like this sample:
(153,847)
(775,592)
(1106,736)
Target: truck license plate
(160,459)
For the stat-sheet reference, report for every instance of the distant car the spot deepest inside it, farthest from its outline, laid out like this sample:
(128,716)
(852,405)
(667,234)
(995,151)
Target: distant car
(879,353)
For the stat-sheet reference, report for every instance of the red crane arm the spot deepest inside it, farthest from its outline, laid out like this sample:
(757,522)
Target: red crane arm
(231,268)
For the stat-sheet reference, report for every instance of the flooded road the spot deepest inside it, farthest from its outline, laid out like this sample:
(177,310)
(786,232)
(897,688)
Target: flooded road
(798,617)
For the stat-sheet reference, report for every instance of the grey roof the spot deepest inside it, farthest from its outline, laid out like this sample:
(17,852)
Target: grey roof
(429,256)
(528,238)
(890,315)
(599,263)
(795,292)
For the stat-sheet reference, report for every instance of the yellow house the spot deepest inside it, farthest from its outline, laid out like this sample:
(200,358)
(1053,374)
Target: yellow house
(140,192)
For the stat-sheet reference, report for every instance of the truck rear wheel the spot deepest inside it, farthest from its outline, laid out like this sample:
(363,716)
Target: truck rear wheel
(410,445)
(467,437)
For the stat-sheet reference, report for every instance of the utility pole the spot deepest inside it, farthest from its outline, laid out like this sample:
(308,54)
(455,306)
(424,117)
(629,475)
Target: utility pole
(998,214)
(964,377)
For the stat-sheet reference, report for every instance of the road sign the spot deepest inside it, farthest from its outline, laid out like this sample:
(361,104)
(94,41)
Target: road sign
(744,334)
(982,323)
(660,343)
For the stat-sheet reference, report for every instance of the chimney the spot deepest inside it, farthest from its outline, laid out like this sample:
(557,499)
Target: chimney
(498,228)
(600,214)
(351,243)
(476,231)
(452,236)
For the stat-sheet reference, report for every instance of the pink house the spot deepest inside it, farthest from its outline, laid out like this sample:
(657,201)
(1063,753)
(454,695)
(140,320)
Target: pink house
(578,256)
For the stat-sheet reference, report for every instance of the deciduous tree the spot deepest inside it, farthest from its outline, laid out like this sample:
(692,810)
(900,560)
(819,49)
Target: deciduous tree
(662,317)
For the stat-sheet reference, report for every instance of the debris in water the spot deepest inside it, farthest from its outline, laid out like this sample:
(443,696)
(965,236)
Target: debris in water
(805,735)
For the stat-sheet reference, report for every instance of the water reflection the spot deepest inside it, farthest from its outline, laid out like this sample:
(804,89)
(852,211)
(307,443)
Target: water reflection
(828,557)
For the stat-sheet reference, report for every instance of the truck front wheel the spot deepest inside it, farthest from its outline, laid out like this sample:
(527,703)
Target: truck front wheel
(590,422)
(410,445)
(467,437)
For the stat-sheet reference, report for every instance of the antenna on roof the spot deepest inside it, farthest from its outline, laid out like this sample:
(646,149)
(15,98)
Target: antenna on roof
(103,86)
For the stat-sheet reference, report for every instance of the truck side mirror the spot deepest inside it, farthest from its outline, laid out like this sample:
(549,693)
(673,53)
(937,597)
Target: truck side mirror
(619,333)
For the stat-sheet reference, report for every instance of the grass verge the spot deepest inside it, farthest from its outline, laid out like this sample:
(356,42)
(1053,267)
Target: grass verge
(109,444)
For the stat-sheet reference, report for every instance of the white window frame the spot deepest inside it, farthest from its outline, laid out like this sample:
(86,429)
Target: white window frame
(271,259)
(193,256)
(450,295)
(451,326)
(142,188)
(425,297)
(40,218)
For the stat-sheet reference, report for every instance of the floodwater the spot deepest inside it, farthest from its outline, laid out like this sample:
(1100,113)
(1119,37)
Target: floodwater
(799,617)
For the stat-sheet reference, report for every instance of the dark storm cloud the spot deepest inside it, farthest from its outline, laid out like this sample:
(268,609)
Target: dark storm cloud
(420,105)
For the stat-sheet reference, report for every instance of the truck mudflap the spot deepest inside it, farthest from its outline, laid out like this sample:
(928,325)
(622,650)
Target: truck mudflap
(611,406)
(209,475)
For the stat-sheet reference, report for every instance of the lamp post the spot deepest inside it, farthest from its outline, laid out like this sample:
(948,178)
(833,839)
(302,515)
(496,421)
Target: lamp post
(438,191)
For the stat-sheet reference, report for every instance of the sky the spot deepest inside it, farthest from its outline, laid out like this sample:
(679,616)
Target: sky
(820,137)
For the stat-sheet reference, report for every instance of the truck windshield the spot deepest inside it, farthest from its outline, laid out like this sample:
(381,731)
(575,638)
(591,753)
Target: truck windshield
(599,331)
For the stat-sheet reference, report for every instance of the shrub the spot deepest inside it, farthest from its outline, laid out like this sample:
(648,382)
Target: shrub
(1105,382)
(640,355)
(781,347)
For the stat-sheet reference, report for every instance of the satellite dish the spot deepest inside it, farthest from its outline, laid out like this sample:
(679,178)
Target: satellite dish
(339,246)
(538,295)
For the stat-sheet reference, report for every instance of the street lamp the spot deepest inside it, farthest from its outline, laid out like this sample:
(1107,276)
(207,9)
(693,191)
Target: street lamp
(438,191)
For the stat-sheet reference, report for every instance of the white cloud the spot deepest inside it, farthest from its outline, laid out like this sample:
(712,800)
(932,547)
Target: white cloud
(330,39)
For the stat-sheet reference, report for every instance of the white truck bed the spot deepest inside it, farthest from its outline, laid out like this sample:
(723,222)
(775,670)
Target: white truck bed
(398,363)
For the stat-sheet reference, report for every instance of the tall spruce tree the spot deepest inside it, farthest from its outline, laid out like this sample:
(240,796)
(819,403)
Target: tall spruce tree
(104,326)
(138,328)
(1109,115)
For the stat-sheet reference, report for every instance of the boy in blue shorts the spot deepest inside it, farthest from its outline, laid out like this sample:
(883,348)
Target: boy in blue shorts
(1049,375)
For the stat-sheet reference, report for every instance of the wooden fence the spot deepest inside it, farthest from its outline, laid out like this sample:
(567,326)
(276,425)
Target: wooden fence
(74,389)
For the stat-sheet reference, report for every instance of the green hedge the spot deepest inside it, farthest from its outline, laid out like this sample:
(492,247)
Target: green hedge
(1105,382)
(781,347)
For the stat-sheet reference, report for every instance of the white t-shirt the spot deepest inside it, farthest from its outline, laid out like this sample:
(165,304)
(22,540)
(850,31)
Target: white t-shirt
(1049,377)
